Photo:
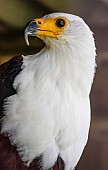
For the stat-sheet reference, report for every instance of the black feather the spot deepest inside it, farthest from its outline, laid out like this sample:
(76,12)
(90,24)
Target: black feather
(8,72)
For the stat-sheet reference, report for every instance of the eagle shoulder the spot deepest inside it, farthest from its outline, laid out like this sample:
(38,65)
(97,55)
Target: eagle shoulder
(8,72)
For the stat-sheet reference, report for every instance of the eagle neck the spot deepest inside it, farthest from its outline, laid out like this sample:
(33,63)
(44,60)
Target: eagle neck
(68,64)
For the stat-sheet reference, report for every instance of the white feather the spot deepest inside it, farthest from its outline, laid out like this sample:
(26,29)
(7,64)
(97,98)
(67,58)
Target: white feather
(50,114)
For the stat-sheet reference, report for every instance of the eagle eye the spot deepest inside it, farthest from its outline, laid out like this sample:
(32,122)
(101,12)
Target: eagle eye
(60,23)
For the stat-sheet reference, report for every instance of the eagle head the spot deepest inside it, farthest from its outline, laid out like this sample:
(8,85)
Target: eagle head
(59,28)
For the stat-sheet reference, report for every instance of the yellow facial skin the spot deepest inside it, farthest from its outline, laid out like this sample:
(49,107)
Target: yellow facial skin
(51,26)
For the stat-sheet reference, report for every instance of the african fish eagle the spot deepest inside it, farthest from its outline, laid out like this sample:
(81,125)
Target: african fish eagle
(44,98)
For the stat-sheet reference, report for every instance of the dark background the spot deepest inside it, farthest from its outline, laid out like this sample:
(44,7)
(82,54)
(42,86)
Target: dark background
(15,14)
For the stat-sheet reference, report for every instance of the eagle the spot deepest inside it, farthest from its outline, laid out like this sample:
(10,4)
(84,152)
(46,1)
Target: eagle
(44,97)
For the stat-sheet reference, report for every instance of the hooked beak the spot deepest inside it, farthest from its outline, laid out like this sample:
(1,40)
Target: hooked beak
(30,30)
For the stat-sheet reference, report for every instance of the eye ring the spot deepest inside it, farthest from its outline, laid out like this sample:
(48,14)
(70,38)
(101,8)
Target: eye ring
(60,22)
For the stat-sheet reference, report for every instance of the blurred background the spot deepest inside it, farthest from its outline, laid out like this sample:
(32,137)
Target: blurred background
(15,14)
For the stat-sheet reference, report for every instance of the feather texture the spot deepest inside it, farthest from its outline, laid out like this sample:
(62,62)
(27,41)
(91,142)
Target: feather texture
(8,154)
